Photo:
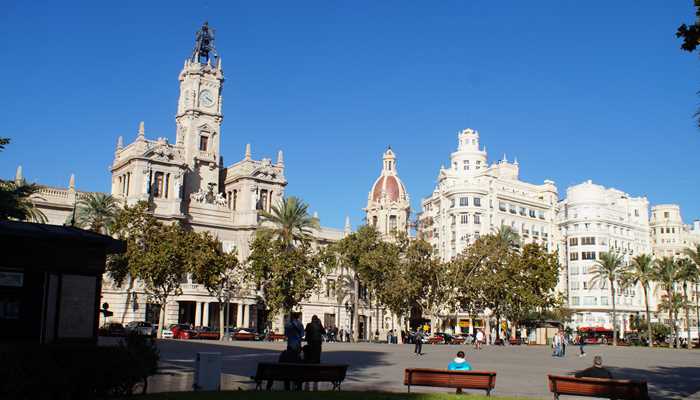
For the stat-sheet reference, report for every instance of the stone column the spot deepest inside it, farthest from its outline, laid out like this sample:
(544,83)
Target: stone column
(197,313)
(239,315)
(205,314)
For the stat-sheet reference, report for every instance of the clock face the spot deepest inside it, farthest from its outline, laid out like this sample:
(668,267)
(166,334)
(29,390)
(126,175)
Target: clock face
(206,99)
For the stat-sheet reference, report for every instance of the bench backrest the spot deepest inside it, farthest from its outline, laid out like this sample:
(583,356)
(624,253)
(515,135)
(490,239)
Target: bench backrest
(595,387)
(297,371)
(453,379)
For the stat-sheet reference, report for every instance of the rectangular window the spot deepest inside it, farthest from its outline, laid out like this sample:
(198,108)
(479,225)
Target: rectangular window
(523,211)
(573,256)
(452,203)
(588,255)
(464,219)
(532,213)
(477,201)
(589,240)
(464,201)
(392,222)
(203,143)
(540,214)
(574,301)
(158,185)
(477,219)
(502,206)
(573,270)
(512,209)
(604,301)
(573,242)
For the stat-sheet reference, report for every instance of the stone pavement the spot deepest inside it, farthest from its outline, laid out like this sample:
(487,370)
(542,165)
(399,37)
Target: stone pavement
(522,370)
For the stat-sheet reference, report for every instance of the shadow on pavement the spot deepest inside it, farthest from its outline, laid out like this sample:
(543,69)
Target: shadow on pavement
(664,382)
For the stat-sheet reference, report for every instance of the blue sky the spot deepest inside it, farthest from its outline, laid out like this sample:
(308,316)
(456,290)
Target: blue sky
(576,90)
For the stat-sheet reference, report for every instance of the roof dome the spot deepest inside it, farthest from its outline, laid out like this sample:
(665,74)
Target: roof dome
(388,186)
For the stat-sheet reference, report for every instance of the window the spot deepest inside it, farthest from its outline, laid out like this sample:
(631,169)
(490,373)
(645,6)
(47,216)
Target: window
(203,143)
(574,301)
(636,213)
(573,242)
(540,214)
(573,285)
(464,201)
(522,211)
(392,222)
(589,301)
(604,301)
(235,200)
(532,214)
(502,206)
(452,203)
(588,255)
(330,288)
(512,209)
(477,201)
(477,219)
(588,240)
(158,185)
(374,221)
(464,219)
(573,270)
(585,285)
(666,215)
(573,256)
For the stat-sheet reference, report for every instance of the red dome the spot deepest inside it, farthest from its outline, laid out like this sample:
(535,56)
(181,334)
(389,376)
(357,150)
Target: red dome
(389,185)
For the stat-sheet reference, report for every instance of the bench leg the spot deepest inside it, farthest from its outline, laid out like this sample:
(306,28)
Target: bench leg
(488,393)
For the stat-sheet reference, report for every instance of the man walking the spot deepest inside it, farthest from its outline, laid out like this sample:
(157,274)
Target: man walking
(294,331)
(479,339)
(418,339)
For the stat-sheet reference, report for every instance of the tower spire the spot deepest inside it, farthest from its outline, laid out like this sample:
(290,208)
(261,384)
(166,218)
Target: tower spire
(71,182)
(247,151)
(142,132)
(120,143)
(18,175)
(280,158)
(348,228)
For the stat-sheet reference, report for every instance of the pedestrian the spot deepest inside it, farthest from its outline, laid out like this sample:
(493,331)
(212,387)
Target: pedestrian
(581,342)
(294,331)
(479,339)
(564,342)
(314,338)
(556,345)
(418,339)
(596,371)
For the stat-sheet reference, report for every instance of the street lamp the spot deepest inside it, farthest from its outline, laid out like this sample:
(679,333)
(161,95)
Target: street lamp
(349,309)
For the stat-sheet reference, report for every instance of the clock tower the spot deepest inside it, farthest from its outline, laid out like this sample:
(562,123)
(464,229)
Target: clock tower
(199,115)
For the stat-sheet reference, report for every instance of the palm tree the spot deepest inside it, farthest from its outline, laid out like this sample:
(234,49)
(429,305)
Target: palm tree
(508,236)
(667,274)
(694,255)
(609,268)
(642,272)
(688,273)
(15,202)
(96,211)
(291,221)
(672,303)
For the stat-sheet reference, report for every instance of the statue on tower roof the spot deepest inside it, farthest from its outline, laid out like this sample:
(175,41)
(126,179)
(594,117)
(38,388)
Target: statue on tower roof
(204,44)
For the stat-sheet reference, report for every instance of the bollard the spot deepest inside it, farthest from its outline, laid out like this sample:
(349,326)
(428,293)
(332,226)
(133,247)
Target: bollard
(207,374)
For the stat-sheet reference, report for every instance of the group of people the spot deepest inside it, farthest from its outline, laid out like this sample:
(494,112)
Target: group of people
(296,333)
(560,340)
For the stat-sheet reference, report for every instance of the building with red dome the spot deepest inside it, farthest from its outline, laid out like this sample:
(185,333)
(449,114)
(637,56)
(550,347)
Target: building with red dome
(388,206)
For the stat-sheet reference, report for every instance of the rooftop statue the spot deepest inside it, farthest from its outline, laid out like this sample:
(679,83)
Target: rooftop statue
(204,44)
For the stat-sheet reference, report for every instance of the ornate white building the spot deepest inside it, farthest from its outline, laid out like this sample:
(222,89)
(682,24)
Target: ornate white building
(593,220)
(473,198)
(388,205)
(186,181)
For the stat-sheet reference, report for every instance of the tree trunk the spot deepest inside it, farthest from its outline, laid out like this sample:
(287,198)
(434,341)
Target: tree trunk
(697,309)
(687,314)
(614,313)
(128,298)
(161,319)
(222,323)
(354,319)
(646,304)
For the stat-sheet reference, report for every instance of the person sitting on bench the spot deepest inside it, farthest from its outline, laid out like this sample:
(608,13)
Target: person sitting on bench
(459,364)
(596,371)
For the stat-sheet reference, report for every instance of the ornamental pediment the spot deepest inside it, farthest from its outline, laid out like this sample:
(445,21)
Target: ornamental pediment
(164,153)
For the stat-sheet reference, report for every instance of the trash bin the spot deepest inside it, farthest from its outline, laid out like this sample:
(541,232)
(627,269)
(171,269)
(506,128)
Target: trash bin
(207,373)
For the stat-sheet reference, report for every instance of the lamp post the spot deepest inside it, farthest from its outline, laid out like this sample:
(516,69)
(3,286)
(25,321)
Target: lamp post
(349,309)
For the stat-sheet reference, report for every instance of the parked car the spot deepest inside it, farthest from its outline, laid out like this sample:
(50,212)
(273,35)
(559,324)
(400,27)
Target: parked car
(204,333)
(449,338)
(141,328)
(180,331)
(168,333)
(112,329)
(245,334)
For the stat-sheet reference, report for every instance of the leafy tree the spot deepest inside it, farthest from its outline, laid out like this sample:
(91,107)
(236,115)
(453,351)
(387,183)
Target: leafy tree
(97,212)
(532,276)
(667,274)
(284,275)
(4,142)
(609,268)
(641,272)
(691,38)
(694,255)
(219,271)
(290,221)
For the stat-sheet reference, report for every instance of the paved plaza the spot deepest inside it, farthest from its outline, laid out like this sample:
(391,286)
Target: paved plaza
(522,370)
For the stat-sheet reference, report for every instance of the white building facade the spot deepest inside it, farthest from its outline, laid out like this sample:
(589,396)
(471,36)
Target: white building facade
(594,220)
(474,198)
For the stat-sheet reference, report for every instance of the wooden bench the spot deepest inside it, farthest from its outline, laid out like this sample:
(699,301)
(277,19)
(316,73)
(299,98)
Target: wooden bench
(617,389)
(484,380)
(300,373)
